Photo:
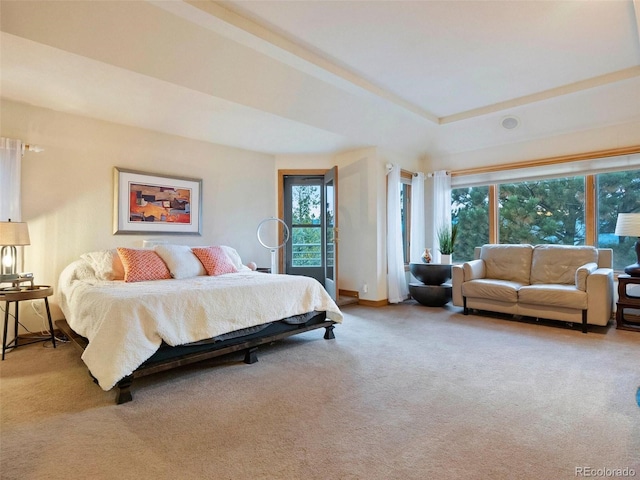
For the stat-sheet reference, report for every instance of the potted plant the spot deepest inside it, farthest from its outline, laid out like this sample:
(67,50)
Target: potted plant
(446,240)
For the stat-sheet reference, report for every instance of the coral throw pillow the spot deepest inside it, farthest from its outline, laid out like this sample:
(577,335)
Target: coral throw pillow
(140,265)
(215,261)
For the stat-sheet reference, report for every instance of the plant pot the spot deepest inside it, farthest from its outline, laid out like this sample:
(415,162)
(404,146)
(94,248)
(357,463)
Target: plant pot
(446,259)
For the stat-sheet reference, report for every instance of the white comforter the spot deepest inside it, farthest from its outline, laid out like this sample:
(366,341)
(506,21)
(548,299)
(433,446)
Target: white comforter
(125,323)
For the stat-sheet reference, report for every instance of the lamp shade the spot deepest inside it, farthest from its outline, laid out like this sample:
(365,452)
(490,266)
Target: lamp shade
(14,233)
(628,225)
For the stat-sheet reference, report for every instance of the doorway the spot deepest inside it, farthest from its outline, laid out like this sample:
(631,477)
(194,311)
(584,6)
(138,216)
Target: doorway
(309,209)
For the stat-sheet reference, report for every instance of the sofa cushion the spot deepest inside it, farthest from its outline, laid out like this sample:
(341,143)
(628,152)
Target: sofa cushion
(486,288)
(557,264)
(507,262)
(567,296)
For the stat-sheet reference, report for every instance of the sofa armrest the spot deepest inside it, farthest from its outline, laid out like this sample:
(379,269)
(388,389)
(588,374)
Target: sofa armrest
(464,273)
(600,296)
(582,273)
(457,278)
(474,269)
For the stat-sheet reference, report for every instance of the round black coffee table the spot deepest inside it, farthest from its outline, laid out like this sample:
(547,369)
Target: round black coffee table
(433,289)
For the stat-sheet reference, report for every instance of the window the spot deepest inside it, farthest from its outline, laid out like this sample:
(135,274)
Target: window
(537,204)
(405,213)
(306,232)
(618,192)
(470,211)
(542,211)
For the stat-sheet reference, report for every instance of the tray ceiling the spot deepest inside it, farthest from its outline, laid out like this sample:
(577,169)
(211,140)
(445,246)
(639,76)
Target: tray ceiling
(419,77)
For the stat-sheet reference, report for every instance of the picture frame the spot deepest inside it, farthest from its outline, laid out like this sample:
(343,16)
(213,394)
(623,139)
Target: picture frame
(155,203)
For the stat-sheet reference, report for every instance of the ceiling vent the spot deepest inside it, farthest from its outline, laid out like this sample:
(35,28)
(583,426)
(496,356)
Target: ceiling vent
(510,122)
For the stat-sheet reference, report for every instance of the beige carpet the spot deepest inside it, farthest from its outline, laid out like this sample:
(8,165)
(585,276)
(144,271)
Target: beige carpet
(403,392)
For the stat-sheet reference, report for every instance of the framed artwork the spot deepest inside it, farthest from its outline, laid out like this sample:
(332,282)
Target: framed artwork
(154,203)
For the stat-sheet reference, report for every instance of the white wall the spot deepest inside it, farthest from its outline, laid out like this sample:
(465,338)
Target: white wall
(604,138)
(67,194)
(67,190)
(359,255)
(362,196)
(359,223)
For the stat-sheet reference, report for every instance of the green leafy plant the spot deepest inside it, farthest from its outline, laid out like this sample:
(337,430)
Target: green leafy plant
(447,239)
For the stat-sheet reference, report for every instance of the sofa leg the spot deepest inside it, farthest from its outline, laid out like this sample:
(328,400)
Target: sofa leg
(584,321)
(464,303)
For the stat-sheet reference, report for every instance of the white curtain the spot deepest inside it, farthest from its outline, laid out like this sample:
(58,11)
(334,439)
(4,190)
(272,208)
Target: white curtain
(441,208)
(398,290)
(418,235)
(10,166)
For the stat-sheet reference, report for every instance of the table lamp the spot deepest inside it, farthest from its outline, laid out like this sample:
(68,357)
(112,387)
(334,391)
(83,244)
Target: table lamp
(12,234)
(628,225)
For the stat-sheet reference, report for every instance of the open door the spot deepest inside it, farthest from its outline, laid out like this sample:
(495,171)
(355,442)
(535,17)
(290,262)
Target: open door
(308,203)
(331,232)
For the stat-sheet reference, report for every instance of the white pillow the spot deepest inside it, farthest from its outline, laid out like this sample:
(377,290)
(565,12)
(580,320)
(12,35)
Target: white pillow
(106,264)
(181,261)
(234,256)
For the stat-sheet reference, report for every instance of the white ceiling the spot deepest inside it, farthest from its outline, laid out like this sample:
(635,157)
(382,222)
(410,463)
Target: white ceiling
(420,77)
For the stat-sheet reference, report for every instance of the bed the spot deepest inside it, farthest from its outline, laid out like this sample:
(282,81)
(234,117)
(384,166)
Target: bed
(128,328)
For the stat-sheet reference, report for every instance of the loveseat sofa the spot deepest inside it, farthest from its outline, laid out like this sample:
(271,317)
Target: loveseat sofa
(556,282)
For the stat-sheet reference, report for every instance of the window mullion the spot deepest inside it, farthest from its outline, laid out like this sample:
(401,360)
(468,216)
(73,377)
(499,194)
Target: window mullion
(590,210)
(494,236)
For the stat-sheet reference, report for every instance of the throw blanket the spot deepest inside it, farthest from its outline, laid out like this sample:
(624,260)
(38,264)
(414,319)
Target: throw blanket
(126,323)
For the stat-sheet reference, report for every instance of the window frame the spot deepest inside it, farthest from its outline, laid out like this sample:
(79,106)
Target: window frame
(598,162)
(405,182)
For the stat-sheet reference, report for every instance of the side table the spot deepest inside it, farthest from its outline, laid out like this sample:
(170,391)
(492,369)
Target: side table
(16,296)
(433,291)
(627,301)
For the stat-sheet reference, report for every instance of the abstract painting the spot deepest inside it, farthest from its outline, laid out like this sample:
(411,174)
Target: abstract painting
(155,203)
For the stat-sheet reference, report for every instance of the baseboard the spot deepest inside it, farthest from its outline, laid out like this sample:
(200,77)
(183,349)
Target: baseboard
(32,335)
(373,303)
(366,303)
(348,293)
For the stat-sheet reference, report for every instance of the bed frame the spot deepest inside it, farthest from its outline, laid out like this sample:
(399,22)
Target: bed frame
(168,357)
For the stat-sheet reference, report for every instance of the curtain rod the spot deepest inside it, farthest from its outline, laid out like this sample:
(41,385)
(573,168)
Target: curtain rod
(32,148)
(431,174)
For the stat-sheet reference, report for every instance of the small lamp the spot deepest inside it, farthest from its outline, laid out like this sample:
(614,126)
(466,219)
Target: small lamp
(12,234)
(628,225)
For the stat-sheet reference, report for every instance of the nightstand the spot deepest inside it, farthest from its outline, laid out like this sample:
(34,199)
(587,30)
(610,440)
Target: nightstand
(627,301)
(16,296)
